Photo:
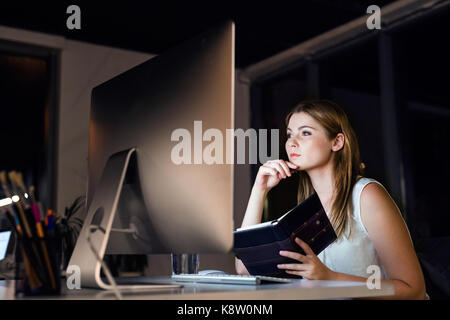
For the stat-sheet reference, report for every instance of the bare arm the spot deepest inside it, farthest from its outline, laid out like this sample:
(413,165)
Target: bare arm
(388,231)
(269,175)
(252,216)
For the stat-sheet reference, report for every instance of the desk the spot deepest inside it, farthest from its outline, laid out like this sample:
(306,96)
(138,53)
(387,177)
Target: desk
(297,290)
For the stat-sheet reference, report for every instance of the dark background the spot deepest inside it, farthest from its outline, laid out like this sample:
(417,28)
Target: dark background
(355,77)
(263,28)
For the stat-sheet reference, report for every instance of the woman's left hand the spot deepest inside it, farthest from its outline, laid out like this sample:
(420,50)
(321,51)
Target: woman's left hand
(310,267)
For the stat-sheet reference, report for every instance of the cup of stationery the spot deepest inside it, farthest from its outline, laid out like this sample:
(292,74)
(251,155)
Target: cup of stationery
(38,249)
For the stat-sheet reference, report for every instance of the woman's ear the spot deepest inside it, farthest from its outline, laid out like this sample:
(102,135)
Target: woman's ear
(338,142)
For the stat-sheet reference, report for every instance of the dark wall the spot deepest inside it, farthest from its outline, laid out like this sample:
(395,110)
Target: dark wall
(23,88)
(29,114)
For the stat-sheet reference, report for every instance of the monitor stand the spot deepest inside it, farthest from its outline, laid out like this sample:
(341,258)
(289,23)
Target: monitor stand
(88,255)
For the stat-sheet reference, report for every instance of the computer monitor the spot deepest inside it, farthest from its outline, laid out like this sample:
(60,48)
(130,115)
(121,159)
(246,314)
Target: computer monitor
(133,180)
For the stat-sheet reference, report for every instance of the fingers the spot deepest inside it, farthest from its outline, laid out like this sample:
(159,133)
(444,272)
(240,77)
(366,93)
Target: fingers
(276,170)
(285,167)
(268,171)
(281,166)
(277,166)
(304,246)
(293,267)
(297,273)
(291,165)
(288,166)
(293,255)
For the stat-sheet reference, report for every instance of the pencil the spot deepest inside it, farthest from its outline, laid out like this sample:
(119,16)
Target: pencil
(35,251)
(40,232)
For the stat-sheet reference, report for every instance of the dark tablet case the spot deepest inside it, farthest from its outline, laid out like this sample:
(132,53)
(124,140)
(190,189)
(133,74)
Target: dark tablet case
(258,248)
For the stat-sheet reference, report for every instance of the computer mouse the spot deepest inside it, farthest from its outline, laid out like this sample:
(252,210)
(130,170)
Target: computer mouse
(211,272)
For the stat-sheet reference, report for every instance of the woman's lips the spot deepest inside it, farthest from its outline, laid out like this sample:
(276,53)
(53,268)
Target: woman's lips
(293,155)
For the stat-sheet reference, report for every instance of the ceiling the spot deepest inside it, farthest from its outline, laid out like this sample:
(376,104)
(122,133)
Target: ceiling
(262,28)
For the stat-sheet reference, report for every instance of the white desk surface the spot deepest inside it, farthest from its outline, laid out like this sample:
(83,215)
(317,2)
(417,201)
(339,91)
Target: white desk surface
(297,290)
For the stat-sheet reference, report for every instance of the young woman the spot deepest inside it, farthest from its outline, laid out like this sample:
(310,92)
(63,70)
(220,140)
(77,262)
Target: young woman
(322,146)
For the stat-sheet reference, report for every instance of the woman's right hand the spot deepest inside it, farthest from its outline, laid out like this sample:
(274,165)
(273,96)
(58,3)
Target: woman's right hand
(271,173)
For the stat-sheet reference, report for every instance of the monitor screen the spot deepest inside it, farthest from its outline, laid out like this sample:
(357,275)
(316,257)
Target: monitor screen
(169,111)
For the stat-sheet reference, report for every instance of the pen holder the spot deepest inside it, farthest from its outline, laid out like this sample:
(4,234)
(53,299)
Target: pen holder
(38,263)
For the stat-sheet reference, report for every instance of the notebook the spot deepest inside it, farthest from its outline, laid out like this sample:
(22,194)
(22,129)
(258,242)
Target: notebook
(258,246)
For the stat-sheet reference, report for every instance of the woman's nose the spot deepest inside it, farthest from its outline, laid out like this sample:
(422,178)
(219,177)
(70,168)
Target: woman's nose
(292,143)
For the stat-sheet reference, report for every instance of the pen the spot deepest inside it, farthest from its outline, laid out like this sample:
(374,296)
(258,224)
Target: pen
(40,232)
(41,211)
(51,226)
(32,276)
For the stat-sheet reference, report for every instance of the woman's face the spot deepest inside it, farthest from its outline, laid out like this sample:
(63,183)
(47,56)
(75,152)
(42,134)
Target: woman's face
(307,145)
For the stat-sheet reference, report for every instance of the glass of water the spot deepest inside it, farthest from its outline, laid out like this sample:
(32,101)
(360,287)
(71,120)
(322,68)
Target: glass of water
(185,263)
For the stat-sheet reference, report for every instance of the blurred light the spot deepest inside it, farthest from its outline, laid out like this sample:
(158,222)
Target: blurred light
(5,202)
(15,198)
(26,195)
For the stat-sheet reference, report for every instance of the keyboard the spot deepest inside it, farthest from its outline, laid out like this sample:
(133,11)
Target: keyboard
(228,278)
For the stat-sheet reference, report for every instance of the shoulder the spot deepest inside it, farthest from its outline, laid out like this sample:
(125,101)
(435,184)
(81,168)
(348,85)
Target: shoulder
(373,192)
(368,190)
(377,207)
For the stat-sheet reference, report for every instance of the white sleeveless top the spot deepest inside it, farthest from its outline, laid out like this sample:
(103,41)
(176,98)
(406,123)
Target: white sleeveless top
(354,254)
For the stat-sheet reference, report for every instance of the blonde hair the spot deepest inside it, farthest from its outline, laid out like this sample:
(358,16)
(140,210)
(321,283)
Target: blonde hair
(347,164)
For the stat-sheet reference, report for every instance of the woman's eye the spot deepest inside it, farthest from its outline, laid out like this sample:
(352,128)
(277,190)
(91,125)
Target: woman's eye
(304,133)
